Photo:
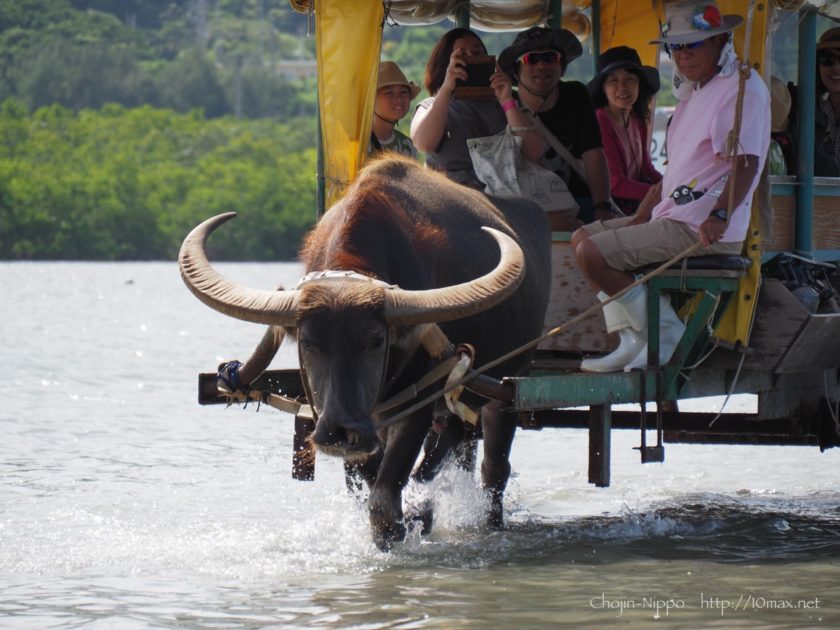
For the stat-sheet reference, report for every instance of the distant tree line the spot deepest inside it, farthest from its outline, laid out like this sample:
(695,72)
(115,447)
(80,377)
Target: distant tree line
(223,57)
(128,184)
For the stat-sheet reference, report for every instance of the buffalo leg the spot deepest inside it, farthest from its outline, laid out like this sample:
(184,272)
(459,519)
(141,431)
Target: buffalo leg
(499,428)
(358,472)
(442,439)
(385,502)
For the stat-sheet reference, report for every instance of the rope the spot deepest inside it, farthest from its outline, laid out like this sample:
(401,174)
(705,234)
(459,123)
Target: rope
(730,392)
(733,139)
(300,6)
(535,342)
(789,5)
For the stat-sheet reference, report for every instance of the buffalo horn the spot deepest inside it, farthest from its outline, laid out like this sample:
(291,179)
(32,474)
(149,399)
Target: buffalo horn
(407,308)
(402,307)
(260,306)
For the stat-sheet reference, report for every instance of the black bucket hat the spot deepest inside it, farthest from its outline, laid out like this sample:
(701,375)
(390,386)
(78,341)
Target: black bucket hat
(623,58)
(540,38)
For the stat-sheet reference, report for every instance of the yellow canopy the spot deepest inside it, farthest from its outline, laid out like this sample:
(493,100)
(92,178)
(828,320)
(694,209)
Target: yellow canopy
(348,37)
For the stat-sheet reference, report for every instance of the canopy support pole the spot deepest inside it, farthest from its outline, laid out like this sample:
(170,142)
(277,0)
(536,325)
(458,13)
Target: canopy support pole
(462,14)
(555,13)
(804,238)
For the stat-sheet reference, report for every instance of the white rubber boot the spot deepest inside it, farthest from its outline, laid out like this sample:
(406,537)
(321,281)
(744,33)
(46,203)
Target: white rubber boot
(671,330)
(630,341)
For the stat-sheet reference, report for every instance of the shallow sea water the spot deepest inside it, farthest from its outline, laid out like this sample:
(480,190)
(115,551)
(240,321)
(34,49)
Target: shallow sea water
(124,504)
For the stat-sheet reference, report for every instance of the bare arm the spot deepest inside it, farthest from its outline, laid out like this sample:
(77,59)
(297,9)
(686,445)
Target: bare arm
(520,121)
(429,125)
(744,171)
(648,203)
(598,173)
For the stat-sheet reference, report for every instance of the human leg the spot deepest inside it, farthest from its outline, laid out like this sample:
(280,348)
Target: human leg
(630,341)
(604,256)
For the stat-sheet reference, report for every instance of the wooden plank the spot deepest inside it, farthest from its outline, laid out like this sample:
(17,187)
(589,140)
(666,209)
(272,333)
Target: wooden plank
(570,296)
(817,346)
(781,238)
(826,225)
(285,382)
(778,320)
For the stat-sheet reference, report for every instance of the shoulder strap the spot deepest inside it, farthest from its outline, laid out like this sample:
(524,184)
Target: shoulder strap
(564,153)
(561,149)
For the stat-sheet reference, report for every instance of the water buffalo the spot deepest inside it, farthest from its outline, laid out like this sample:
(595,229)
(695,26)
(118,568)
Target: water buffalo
(403,249)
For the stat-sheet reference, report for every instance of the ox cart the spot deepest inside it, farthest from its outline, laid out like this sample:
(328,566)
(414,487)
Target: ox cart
(765,323)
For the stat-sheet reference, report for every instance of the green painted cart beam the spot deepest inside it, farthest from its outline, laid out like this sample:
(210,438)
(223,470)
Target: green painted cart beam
(581,389)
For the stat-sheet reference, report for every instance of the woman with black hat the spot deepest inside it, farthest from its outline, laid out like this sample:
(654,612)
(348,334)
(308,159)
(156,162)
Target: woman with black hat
(827,119)
(536,62)
(622,92)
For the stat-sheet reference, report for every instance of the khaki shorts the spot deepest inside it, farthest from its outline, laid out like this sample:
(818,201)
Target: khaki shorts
(625,247)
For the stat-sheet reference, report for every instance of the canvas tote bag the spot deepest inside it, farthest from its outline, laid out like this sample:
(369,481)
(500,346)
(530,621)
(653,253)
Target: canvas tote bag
(499,165)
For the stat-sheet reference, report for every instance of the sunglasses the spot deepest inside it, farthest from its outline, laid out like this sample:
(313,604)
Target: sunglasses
(533,58)
(669,48)
(827,60)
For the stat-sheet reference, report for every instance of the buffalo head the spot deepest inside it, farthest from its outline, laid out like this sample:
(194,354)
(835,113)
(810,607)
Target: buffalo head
(346,325)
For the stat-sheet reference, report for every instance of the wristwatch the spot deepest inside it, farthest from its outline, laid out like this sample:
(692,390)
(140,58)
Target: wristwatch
(720,213)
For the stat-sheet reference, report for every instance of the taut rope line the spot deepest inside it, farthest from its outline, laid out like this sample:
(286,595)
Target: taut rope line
(531,344)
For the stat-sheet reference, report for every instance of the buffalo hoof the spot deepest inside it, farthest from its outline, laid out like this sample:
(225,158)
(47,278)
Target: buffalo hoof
(386,519)
(422,514)
(385,537)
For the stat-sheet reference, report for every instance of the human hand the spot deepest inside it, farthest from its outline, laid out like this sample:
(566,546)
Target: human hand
(501,85)
(645,210)
(457,69)
(711,231)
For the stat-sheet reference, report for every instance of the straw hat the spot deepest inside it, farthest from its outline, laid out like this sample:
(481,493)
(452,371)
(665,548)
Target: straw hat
(540,38)
(830,39)
(780,103)
(623,58)
(694,21)
(390,74)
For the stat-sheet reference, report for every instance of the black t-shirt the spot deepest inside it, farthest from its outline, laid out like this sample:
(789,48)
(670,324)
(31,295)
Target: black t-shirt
(572,121)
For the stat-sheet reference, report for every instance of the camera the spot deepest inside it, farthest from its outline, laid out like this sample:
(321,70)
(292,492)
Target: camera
(477,84)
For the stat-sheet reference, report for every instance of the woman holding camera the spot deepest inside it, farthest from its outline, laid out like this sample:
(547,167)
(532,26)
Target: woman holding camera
(442,123)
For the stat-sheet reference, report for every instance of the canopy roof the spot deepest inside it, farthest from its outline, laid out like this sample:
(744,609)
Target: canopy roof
(506,15)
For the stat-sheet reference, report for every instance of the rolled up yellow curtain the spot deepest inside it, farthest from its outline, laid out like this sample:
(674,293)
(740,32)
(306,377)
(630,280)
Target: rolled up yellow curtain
(348,37)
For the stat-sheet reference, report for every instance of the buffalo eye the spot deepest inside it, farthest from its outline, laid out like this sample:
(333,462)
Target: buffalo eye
(308,345)
(374,341)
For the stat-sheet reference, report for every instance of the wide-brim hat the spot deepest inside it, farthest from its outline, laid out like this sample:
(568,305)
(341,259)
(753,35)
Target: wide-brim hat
(780,103)
(829,39)
(688,22)
(540,38)
(390,74)
(622,58)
